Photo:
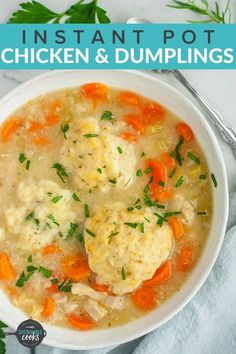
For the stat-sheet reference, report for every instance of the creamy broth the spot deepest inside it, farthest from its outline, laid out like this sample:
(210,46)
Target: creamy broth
(75,165)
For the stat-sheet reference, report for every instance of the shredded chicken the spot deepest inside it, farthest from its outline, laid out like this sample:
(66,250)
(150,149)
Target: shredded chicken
(187,208)
(115,302)
(94,310)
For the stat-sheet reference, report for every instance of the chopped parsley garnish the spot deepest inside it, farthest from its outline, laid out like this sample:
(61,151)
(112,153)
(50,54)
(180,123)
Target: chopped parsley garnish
(30,259)
(143,154)
(65,286)
(113,234)
(179,182)
(27,166)
(172,172)
(148,170)
(60,171)
(64,129)
(161,183)
(113,181)
(147,219)
(119,150)
(86,210)
(23,279)
(131,224)
(193,157)
(176,153)
(139,173)
(123,275)
(214,180)
(202,177)
(142,227)
(90,135)
(89,232)
(146,189)
(99,170)
(72,230)
(56,199)
(160,206)
(54,281)
(46,272)
(30,216)
(75,197)
(107,115)
(201,213)
(80,238)
(161,218)
(31,268)
(52,218)
(22,157)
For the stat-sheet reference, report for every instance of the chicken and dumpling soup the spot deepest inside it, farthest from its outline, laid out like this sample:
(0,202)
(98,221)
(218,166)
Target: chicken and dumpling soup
(105,206)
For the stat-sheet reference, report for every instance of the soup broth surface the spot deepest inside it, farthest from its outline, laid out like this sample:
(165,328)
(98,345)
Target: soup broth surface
(105,206)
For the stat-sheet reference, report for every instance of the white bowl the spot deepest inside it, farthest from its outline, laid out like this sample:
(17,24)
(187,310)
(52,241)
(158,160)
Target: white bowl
(182,107)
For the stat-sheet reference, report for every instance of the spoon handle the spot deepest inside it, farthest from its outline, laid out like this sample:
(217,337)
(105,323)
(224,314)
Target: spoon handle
(226,131)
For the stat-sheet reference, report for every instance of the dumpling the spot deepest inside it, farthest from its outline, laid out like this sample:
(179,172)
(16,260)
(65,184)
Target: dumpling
(125,248)
(97,157)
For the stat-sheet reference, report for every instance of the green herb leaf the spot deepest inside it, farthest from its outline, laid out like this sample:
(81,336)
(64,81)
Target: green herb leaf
(80,238)
(99,170)
(113,234)
(142,227)
(30,259)
(72,230)
(64,129)
(148,170)
(214,180)
(161,183)
(90,135)
(30,216)
(56,199)
(113,181)
(132,224)
(201,213)
(31,268)
(123,275)
(86,210)
(34,12)
(203,177)
(46,272)
(179,182)
(60,171)
(139,173)
(211,14)
(107,115)
(89,232)
(22,157)
(172,172)
(75,197)
(193,157)
(119,150)
(27,166)
(65,286)
(52,218)
(54,281)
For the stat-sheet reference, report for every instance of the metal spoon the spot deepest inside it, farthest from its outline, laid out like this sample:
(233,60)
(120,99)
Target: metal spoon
(226,131)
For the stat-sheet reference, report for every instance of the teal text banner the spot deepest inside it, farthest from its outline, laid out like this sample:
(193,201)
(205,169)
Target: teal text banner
(118,46)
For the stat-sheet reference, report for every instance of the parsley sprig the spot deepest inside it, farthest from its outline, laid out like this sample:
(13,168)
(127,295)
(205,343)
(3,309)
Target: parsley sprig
(2,336)
(34,12)
(210,13)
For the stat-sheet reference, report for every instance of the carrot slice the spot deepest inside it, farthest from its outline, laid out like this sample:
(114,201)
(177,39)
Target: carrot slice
(129,98)
(95,91)
(49,249)
(153,113)
(177,227)
(82,322)
(162,274)
(75,266)
(186,258)
(134,122)
(129,137)
(144,298)
(6,269)
(168,160)
(10,127)
(51,119)
(185,131)
(35,127)
(159,171)
(101,287)
(48,307)
(160,193)
(41,140)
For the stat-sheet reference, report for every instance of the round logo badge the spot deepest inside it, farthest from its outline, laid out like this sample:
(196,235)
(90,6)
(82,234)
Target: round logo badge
(30,333)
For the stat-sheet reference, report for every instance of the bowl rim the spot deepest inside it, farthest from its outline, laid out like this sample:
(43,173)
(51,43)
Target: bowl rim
(202,277)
